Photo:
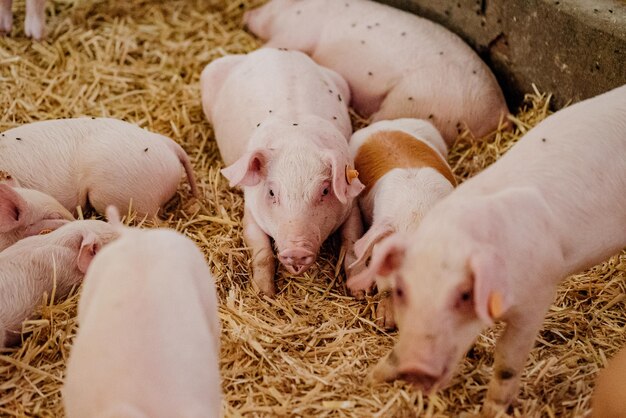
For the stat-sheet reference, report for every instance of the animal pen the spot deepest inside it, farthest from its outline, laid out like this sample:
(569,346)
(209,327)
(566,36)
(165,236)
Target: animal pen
(308,351)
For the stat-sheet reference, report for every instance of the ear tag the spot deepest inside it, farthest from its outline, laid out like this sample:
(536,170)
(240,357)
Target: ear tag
(495,305)
(351,174)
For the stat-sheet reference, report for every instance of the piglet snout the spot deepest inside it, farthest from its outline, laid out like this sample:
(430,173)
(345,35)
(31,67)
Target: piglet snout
(421,377)
(297,260)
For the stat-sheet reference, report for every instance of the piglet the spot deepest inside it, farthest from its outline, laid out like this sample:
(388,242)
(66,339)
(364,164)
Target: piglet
(402,164)
(497,247)
(99,161)
(148,342)
(609,397)
(34,23)
(398,65)
(282,126)
(26,212)
(43,264)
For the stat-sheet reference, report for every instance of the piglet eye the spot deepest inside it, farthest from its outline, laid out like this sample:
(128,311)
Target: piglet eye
(325,191)
(464,300)
(399,293)
(271,192)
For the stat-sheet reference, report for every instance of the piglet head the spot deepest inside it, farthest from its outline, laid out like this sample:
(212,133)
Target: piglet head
(26,212)
(298,194)
(443,296)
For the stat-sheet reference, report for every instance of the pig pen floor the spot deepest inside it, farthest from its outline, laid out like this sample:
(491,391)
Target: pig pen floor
(306,353)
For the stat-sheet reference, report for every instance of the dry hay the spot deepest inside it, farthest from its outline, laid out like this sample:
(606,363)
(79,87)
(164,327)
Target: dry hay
(307,352)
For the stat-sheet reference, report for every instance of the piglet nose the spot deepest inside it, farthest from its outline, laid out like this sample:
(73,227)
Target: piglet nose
(297,260)
(420,378)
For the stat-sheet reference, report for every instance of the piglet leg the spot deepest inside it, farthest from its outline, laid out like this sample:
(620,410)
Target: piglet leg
(35,23)
(351,231)
(6,16)
(384,309)
(263,261)
(511,353)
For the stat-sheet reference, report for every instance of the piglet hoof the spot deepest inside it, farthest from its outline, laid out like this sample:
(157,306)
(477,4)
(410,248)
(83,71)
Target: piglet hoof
(384,313)
(384,371)
(359,284)
(493,409)
(264,287)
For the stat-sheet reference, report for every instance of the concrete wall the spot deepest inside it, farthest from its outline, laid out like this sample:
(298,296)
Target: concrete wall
(573,48)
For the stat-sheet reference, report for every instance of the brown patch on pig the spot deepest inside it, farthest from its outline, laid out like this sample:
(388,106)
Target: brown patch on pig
(386,150)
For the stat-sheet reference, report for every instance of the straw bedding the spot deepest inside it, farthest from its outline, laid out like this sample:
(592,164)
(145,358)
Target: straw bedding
(307,352)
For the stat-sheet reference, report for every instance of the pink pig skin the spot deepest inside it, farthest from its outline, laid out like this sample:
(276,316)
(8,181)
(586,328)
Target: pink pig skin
(29,267)
(34,23)
(97,161)
(148,343)
(26,212)
(496,248)
(282,125)
(398,65)
(396,204)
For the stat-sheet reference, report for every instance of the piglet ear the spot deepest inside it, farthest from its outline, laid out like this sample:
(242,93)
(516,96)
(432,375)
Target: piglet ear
(88,249)
(248,170)
(346,184)
(12,209)
(388,255)
(492,297)
(364,247)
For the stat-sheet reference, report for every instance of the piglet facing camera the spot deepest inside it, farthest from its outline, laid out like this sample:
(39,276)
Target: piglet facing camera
(403,165)
(288,150)
(39,264)
(148,342)
(497,247)
(96,161)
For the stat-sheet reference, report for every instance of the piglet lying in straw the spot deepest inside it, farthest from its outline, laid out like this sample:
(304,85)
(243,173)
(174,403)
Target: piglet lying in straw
(26,212)
(45,264)
(35,22)
(403,166)
(282,126)
(497,247)
(148,343)
(397,64)
(97,161)
(609,397)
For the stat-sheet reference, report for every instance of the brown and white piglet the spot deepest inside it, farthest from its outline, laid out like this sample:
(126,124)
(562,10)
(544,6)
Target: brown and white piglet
(34,23)
(497,247)
(398,65)
(148,342)
(282,126)
(27,212)
(402,164)
(40,264)
(609,397)
(96,161)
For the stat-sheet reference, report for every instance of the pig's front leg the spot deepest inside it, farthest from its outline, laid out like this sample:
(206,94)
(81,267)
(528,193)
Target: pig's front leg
(6,16)
(511,353)
(263,261)
(351,231)
(35,22)
(384,310)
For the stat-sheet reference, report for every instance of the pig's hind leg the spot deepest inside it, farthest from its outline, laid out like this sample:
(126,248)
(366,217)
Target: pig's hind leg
(263,261)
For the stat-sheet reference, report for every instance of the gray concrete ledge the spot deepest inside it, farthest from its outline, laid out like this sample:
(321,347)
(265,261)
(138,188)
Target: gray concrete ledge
(574,49)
